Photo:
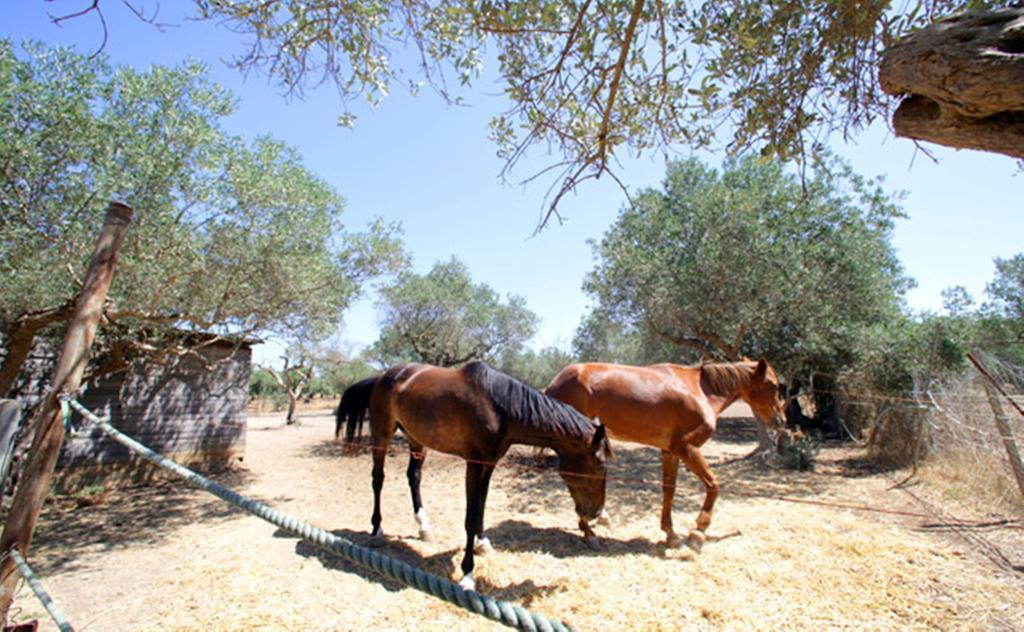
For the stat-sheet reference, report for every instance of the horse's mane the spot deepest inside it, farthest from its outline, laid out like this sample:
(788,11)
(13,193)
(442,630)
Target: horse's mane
(726,378)
(514,400)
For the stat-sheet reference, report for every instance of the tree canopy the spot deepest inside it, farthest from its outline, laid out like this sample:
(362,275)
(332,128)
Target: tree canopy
(592,79)
(752,261)
(445,319)
(230,236)
(1007,289)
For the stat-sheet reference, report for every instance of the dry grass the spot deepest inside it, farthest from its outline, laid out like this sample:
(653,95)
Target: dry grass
(796,566)
(968,460)
(975,483)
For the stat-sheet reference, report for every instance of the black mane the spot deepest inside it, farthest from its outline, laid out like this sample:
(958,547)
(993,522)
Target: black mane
(515,401)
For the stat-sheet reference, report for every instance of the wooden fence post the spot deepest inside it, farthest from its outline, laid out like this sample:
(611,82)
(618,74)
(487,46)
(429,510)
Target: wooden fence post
(1002,421)
(49,434)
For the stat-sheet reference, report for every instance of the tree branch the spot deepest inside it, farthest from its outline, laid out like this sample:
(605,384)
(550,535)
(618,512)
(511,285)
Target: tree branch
(962,82)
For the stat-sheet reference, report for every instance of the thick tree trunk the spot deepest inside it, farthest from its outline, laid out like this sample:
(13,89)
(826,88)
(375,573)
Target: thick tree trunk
(20,337)
(293,401)
(962,82)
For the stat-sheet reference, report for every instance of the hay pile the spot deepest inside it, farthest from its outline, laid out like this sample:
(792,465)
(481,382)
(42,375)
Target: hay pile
(795,566)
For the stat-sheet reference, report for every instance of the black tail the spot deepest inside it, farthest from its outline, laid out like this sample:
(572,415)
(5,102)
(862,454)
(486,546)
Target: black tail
(352,409)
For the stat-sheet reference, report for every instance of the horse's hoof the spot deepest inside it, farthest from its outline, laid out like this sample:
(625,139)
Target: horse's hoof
(376,540)
(467,583)
(673,541)
(593,543)
(695,540)
(426,535)
(483,547)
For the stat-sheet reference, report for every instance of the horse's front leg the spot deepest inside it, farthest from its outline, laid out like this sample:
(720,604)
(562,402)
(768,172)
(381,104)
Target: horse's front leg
(669,472)
(478,477)
(698,465)
(417,455)
(481,544)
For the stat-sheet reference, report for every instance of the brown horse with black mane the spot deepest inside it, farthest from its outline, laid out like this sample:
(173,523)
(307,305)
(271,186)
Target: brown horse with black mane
(674,408)
(477,413)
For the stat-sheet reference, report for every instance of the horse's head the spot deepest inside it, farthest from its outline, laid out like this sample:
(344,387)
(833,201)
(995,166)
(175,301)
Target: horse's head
(584,471)
(763,394)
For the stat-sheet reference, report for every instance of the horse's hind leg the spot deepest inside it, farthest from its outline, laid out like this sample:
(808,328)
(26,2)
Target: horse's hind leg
(417,455)
(669,472)
(379,454)
(381,441)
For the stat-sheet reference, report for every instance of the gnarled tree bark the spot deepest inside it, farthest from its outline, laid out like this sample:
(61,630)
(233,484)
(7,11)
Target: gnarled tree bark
(962,82)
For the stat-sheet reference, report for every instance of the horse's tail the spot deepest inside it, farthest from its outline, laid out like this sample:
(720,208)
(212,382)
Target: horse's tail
(352,408)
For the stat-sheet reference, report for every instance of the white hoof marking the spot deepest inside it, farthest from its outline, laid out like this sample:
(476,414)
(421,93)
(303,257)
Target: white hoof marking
(482,546)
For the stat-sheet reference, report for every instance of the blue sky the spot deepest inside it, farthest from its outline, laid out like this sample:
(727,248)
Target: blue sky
(431,167)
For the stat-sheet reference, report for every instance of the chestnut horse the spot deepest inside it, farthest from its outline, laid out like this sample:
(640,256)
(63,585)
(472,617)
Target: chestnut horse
(477,413)
(674,408)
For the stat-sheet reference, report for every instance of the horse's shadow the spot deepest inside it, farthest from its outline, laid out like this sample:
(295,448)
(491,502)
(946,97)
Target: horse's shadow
(520,536)
(510,535)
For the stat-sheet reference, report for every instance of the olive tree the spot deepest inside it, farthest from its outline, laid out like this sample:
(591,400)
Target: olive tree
(752,261)
(445,319)
(231,237)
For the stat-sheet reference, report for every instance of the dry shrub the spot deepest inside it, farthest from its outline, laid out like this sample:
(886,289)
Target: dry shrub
(797,450)
(902,434)
(968,459)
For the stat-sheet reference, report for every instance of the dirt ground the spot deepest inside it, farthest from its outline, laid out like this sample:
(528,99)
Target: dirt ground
(169,557)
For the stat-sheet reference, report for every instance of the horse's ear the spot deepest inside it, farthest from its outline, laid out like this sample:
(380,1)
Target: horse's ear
(601,441)
(762,368)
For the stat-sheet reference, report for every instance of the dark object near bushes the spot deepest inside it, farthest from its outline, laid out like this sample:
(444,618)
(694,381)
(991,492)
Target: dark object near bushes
(797,450)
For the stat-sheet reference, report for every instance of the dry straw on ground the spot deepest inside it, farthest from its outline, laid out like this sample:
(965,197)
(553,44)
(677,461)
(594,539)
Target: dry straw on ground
(177,560)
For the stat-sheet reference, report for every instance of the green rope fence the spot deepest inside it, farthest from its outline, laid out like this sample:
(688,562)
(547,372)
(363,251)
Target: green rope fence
(496,610)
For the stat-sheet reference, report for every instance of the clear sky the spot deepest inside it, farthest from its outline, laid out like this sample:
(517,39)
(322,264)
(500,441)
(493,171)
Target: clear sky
(431,167)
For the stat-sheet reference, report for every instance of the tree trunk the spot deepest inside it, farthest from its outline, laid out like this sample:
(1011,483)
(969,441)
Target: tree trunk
(292,401)
(49,431)
(962,82)
(19,339)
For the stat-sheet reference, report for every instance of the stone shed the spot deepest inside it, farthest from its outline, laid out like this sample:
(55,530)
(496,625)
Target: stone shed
(192,411)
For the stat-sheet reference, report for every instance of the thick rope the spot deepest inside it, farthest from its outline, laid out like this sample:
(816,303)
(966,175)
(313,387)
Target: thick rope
(44,597)
(501,611)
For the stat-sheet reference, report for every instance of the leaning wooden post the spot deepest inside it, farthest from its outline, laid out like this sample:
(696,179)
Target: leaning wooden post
(1002,421)
(67,378)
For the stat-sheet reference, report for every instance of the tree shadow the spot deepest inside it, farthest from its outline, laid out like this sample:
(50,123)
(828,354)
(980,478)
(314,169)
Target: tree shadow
(331,449)
(634,490)
(736,430)
(120,518)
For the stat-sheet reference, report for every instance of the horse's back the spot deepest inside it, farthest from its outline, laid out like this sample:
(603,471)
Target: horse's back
(645,405)
(438,408)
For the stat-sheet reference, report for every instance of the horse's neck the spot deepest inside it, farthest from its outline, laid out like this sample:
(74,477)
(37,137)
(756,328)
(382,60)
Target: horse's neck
(527,434)
(723,384)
